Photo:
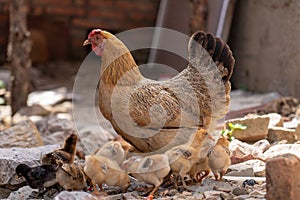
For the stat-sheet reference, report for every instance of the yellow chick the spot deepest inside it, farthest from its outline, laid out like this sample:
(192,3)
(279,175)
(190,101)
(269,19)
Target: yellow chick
(198,168)
(150,169)
(112,150)
(71,176)
(101,170)
(183,157)
(219,158)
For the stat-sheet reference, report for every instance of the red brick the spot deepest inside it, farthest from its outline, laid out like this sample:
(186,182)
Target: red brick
(103,13)
(51,2)
(37,10)
(283,175)
(103,3)
(85,23)
(67,11)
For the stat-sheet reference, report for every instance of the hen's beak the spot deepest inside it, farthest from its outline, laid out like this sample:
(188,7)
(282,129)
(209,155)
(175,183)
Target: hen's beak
(86,42)
(210,137)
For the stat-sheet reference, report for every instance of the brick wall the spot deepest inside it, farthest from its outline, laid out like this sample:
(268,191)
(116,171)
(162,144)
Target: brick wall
(60,26)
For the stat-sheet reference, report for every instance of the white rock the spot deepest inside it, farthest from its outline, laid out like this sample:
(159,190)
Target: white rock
(281,149)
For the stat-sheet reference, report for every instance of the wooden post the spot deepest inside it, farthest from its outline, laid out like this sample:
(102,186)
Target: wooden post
(199,11)
(18,52)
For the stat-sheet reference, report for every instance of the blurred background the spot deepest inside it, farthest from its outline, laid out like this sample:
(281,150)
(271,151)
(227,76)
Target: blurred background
(263,36)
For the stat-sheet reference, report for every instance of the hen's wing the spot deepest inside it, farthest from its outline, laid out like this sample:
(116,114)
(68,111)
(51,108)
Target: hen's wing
(191,98)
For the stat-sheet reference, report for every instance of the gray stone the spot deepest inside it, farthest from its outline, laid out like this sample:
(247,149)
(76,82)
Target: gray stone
(239,191)
(22,193)
(24,134)
(34,110)
(257,168)
(50,125)
(12,157)
(248,172)
(257,128)
(75,195)
(276,134)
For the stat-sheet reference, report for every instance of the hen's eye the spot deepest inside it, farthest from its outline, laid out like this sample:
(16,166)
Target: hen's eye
(97,37)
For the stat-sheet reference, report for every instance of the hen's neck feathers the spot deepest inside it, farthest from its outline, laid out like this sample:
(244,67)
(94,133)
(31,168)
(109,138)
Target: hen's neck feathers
(118,65)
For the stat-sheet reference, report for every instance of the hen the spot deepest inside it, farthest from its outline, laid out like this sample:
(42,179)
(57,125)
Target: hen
(157,115)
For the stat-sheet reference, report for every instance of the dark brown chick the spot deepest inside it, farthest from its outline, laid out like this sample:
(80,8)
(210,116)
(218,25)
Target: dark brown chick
(219,158)
(39,177)
(66,154)
(71,176)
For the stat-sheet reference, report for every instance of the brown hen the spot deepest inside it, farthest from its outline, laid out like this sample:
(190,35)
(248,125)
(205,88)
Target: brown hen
(157,115)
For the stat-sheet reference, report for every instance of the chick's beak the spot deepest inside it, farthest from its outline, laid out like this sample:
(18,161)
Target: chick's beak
(86,42)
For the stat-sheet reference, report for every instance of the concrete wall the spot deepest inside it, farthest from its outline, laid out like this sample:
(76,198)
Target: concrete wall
(265,38)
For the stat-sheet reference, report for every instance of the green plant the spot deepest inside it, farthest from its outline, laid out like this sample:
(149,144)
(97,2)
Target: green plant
(232,127)
(2,84)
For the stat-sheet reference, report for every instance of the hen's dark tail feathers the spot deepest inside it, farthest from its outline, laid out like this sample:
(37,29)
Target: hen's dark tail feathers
(217,49)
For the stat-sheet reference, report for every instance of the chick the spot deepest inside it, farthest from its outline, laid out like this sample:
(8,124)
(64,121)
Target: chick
(198,168)
(71,176)
(66,154)
(183,157)
(219,158)
(112,150)
(39,177)
(151,169)
(101,170)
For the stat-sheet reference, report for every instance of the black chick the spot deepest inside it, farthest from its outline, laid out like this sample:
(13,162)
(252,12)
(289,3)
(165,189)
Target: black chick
(66,154)
(39,177)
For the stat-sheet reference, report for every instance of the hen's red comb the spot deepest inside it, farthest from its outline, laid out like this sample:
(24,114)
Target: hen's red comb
(94,31)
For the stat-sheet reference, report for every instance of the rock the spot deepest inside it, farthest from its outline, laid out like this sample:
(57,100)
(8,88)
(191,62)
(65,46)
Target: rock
(283,177)
(4,192)
(49,97)
(261,146)
(297,132)
(210,184)
(239,191)
(34,110)
(247,172)
(275,120)
(75,195)
(50,125)
(257,128)
(276,134)
(281,149)
(12,157)
(241,151)
(214,195)
(291,124)
(24,134)
(22,193)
